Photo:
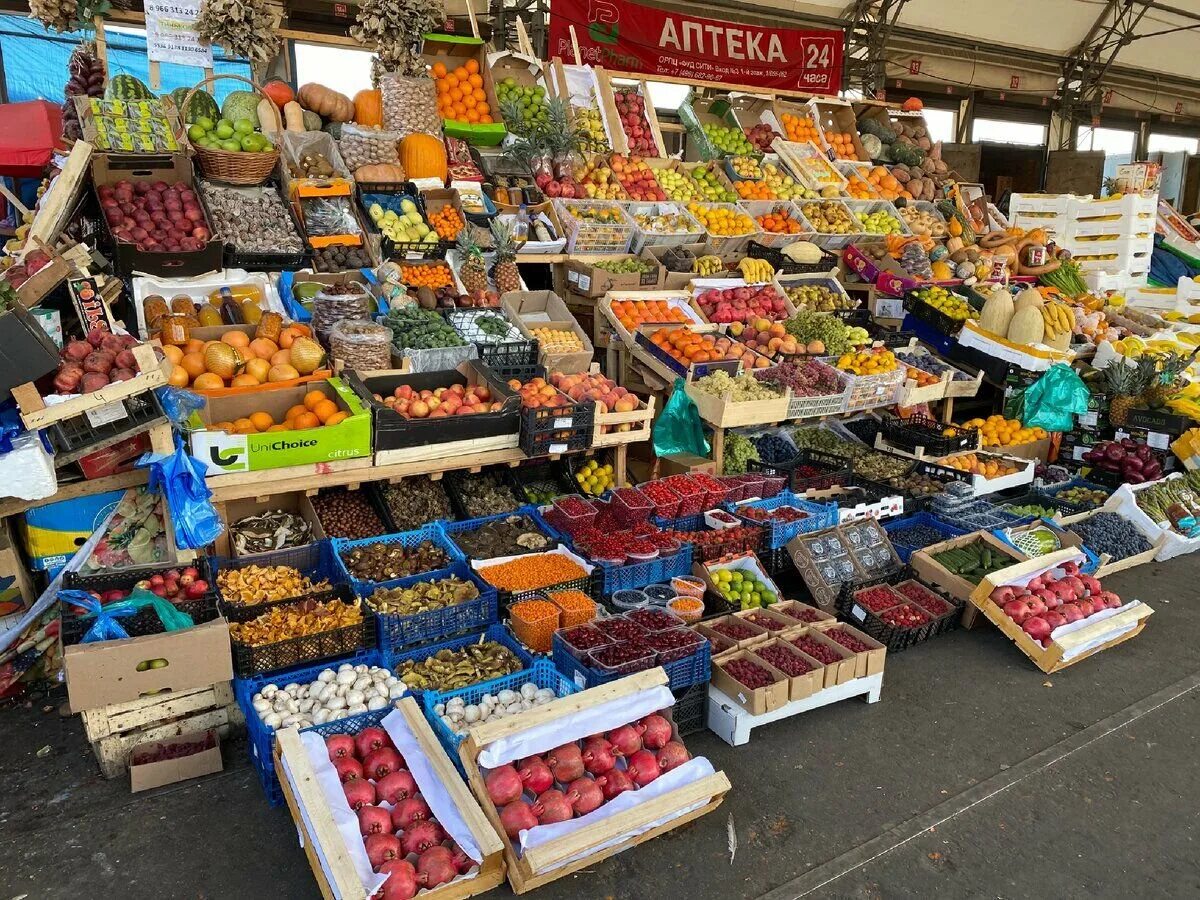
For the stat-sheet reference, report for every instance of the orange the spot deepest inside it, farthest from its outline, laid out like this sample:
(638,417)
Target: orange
(258,369)
(475,80)
(193,364)
(439,70)
(280,428)
(244,380)
(305,420)
(262,420)
(226,427)
(336,418)
(282,373)
(301,329)
(207,381)
(244,426)
(461,73)
(195,345)
(235,339)
(172,353)
(178,377)
(296,410)
(312,398)
(324,410)
(472,66)
(263,348)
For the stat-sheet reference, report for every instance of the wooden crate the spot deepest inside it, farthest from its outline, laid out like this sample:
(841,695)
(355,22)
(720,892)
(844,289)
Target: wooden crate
(1053,658)
(331,865)
(587,847)
(114,730)
(35,414)
(640,420)
(723,412)
(607,97)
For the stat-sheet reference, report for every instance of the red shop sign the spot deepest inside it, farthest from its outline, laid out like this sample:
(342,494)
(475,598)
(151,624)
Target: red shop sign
(627,37)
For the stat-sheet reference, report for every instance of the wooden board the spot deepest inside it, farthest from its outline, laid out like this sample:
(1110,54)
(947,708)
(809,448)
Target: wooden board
(116,729)
(642,419)
(58,203)
(35,414)
(322,841)
(450,449)
(721,412)
(533,868)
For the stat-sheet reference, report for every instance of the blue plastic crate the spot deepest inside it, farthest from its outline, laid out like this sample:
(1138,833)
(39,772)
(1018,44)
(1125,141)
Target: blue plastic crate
(432,532)
(687,523)
(497,633)
(260,738)
(1091,564)
(777,534)
(681,673)
(632,575)
(453,528)
(317,561)
(1057,489)
(922,518)
(542,673)
(398,632)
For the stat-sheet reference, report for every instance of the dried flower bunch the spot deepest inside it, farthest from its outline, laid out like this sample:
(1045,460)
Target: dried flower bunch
(395,28)
(244,28)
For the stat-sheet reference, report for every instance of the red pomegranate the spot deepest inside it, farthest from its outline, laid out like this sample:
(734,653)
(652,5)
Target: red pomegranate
(401,883)
(614,783)
(408,811)
(598,755)
(565,762)
(517,817)
(536,775)
(396,786)
(626,740)
(584,795)
(643,767)
(504,785)
(656,731)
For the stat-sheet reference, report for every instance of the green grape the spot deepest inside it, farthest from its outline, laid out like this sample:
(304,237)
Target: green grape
(739,450)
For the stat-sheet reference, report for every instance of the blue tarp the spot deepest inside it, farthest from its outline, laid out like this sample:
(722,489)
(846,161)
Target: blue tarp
(35,61)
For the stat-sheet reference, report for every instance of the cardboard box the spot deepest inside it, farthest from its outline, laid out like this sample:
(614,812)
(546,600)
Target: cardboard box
(868,662)
(677,281)
(544,309)
(756,701)
(708,629)
(453,51)
(16,587)
(204,759)
(172,168)
(835,673)
(107,671)
(931,572)
(585,278)
(233,511)
(800,687)
(115,458)
(225,453)
(26,351)
(685,464)
(52,533)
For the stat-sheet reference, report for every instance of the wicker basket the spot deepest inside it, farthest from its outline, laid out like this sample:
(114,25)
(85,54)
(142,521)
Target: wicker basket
(226,166)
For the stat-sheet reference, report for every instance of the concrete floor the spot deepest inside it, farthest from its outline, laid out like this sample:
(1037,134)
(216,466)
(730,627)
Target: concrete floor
(975,776)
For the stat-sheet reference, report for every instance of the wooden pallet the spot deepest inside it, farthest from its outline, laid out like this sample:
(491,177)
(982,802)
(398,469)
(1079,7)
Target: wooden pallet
(584,848)
(331,864)
(114,730)
(35,414)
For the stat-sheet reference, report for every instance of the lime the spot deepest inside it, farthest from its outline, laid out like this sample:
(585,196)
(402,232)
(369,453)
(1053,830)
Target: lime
(224,130)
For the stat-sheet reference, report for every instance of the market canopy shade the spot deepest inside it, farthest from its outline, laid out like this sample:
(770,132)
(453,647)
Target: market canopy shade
(29,133)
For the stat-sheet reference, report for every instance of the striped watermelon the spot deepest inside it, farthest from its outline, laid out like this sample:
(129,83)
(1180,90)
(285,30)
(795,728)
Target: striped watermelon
(201,104)
(126,87)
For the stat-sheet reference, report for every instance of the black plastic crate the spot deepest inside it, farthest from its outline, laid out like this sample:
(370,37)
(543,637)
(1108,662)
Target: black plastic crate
(889,337)
(785,266)
(522,372)
(916,502)
(369,193)
(317,561)
(1029,498)
(312,648)
(799,471)
(558,429)
(895,638)
(77,433)
(923,432)
(125,579)
(592,585)
(546,480)
(509,356)
(458,482)
(864,428)
(935,318)
(690,712)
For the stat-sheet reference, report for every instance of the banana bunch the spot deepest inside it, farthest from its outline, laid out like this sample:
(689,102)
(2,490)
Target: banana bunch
(708,265)
(756,271)
(1187,401)
(1058,319)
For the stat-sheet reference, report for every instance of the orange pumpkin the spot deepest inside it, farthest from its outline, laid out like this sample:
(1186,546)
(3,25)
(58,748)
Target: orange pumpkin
(368,108)
(423,156)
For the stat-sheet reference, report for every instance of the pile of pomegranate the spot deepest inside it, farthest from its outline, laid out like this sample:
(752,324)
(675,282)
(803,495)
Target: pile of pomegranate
(580,777)
(1057,597)
(402,838)
(88,365)
(156,216)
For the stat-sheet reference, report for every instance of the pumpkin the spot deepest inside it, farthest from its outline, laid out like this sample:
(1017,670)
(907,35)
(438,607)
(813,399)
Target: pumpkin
(368,108)
(379,173)
(954,244)
(913,104)
(279,92)
(941,271)
(998,311)
(1027,326)
(423,156)
(326,102)
(1030,297)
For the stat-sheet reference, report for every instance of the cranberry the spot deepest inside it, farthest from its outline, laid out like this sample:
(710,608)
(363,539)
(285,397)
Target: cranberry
(764,621)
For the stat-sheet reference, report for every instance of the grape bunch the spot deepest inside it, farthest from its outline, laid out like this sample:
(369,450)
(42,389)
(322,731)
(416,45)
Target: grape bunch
(810,326)
(739,450)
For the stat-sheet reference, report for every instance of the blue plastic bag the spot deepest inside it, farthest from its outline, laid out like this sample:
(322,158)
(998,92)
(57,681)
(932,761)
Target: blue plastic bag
(179,478)
(107,626)
(678,429)
(179,404)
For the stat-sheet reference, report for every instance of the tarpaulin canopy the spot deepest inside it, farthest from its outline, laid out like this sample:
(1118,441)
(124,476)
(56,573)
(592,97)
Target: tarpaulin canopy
(28,135)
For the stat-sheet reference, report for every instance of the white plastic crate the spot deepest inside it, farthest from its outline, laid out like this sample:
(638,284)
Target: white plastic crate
(1046,206)
(756,208)
(868,207)
(1130,205)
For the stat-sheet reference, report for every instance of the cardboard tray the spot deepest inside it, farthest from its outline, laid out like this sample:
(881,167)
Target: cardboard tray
(1083,639)
(586,279)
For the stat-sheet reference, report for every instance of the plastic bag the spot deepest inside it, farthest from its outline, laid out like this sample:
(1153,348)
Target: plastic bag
(180,479)
(179,404)
(362,146)
(1053,401)
(107,626)
(409,104)
(678,429)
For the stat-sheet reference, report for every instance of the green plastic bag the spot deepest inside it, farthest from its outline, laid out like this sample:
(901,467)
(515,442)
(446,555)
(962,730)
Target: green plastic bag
(678,429)
(1054,400)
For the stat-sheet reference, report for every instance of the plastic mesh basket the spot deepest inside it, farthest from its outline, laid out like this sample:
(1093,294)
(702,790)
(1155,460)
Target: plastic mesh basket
(776,534)
(316,561)
(496,633)
(397,631)
(286,654)
(432,532)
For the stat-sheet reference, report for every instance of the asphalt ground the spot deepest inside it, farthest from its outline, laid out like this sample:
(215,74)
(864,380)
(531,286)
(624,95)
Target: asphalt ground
(976,775)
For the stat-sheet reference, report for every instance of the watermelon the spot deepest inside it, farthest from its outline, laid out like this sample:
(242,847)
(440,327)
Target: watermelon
(201,104)
(241,105)
(126,87)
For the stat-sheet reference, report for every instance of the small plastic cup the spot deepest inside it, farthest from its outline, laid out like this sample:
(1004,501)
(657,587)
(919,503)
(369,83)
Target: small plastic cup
(688,586)
(630,599)
(689,609)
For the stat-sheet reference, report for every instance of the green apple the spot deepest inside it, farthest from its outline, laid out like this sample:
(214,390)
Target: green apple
(196,132)
(243,126)
(231,145)
(204,122)
(224,130)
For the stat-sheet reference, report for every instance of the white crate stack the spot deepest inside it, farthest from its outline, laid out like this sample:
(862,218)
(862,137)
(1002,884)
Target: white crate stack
(1111,236)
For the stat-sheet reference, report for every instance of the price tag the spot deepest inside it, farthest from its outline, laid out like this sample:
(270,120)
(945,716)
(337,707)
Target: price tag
(858,612)
(104,415)
(580,680)
(889,308)
(584,281)
(1090,418)
(564,422)
(1157,440)
(556,448)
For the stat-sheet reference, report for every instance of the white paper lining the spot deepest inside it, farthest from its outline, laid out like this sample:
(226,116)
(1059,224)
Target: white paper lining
(1104,637)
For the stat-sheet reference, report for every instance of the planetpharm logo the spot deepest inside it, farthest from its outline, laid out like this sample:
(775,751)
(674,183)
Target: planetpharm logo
(603,24)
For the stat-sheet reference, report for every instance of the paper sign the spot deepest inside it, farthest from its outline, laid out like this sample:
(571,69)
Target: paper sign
(106,414)
(171,34)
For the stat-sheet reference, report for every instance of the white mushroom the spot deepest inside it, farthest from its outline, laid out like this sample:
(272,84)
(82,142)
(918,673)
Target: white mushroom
(439,709)
(356,709)
(260,705)
(355,698)
(376,703)
(326,676)
(506,697)
(472,714)
(272,720)
(529,690)
(346,676)
(544,695)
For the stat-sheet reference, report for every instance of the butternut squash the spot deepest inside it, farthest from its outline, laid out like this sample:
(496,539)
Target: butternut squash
(998,311)
(268,116)
(1026,326)
(293,115)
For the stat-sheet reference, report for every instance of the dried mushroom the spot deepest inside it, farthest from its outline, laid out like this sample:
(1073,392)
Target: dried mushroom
(447,670)
(296,620)
(382,561)
(394,28)
(265,584)
(275,529)
(503,537)
(252,220)
(422,596)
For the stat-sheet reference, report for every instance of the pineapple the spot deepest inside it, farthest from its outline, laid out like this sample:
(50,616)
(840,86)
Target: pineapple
(505,273)
(472,273)
(1165,380)
(1125,385)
